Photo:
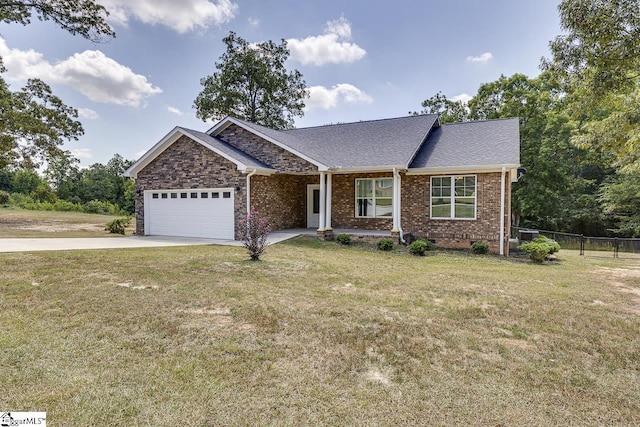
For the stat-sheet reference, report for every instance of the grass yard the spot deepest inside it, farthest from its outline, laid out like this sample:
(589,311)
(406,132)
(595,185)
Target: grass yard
(16,222)
(318,334)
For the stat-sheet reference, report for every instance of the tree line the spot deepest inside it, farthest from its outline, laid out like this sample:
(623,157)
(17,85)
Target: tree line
(579,119)
(64,185)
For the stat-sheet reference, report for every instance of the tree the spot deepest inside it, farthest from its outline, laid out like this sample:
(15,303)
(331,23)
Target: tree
(85,18)
(620,199)
(34,122)
(252,83)
(449,111)
(105,183)
(598,60)
(63,174)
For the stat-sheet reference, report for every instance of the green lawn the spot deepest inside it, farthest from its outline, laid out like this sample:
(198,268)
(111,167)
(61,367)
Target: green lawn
(318,334)
(16,222)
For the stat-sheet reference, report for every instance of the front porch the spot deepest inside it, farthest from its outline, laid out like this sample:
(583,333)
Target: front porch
(326,204)
(358,235)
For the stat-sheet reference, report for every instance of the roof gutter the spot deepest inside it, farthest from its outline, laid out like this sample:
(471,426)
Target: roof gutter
(461,169)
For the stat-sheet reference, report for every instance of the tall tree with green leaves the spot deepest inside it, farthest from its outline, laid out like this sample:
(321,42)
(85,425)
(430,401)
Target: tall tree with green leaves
(448,110)
(252,83)
(620,198)
(559,190)
(598,60)
(33,121)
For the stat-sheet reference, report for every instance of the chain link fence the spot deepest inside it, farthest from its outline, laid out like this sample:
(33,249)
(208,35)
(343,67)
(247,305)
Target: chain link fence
(587,245)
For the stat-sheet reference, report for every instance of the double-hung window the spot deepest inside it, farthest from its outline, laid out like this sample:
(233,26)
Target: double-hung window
(374,198)
(453,197)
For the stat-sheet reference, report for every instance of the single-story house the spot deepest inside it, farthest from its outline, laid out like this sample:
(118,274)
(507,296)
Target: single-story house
(409,176)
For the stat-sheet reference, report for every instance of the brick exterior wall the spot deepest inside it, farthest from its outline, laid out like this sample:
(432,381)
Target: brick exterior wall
(456,233)
(184,165)
(343,203)
(261,149)
(282,199)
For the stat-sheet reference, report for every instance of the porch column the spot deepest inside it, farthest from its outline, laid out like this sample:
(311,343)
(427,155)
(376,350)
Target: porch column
(395,201)
(328,204)
(323,197)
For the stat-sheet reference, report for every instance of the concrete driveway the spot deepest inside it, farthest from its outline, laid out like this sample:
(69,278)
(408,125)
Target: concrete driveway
(64,244)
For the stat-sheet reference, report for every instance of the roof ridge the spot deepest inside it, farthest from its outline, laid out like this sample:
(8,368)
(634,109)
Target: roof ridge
(357,122)
(480,121)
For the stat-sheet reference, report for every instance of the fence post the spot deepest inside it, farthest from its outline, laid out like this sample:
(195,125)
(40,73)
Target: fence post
(615,247)
(582,244)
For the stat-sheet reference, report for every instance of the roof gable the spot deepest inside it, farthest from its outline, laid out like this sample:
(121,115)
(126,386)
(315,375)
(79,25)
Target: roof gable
(240,159)
(271,135)
(479,145)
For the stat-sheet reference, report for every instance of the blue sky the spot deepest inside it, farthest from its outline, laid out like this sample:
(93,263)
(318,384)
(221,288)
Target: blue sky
(361,60)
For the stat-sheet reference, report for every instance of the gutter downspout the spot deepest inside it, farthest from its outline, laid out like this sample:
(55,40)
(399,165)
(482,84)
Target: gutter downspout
(249,191)
(398,205)
(502,194)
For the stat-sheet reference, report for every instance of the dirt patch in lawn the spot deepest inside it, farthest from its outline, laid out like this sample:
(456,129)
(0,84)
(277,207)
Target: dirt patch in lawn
(626,280)
(17,223)
(50,226)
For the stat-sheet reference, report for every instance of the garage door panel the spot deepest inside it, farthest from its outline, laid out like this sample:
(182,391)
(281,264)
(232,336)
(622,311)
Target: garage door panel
(210,217)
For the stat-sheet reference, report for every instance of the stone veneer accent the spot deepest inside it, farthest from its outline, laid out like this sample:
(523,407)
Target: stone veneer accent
(184,165)
(263,150)
(456,233)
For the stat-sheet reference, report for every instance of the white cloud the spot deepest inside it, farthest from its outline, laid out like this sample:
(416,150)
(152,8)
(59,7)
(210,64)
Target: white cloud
(462,97)
(322,98)
(179,15)
(254,22)
(174,110)
(92,73)
(87,113)
(331,47)
(82,153)
(485,57)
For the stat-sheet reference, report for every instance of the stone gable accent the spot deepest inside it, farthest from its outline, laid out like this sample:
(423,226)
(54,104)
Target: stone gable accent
(265,151)
(186,164)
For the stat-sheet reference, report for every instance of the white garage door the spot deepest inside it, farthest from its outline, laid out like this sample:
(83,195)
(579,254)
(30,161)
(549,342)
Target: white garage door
(206,212)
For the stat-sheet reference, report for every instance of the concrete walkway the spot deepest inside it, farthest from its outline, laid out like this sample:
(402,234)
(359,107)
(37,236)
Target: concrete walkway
(64,244)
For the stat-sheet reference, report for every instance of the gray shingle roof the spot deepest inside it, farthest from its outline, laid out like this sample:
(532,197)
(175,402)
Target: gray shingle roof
(370,144)
(471,144)
(225,148)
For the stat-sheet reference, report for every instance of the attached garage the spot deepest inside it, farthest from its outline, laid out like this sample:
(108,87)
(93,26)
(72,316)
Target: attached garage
(198,212)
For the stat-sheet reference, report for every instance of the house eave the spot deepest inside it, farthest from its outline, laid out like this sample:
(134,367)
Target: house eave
(258,171)
(364,169)
(461,169)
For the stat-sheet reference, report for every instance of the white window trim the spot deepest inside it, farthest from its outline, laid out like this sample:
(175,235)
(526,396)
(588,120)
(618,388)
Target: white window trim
(374,196)
(451,216)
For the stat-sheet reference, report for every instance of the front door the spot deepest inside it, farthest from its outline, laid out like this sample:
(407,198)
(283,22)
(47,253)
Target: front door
(313,206)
